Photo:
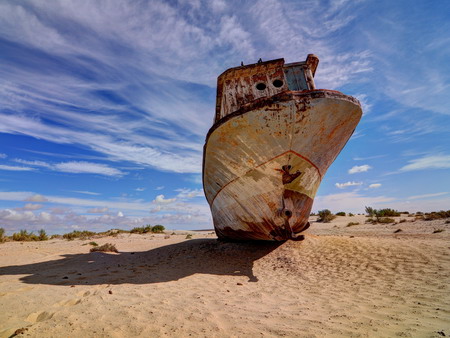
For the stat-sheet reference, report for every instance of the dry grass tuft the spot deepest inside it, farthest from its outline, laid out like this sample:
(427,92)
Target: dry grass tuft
(108,247)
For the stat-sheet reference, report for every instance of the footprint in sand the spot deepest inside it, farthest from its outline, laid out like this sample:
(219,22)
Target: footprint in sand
(36,317)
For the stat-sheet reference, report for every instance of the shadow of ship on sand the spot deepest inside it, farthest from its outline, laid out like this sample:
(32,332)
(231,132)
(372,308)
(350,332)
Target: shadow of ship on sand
(163,264)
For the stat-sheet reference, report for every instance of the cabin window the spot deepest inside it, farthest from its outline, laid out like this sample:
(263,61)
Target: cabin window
(277,83)
(261,86)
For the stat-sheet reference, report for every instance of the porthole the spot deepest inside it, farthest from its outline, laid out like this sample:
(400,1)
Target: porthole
(277,83)
(261,86)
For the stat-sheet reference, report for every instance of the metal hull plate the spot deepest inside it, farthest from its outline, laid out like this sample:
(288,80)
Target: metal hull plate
(264,163)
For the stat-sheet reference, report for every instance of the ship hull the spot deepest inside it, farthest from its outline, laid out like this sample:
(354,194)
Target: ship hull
(264,163)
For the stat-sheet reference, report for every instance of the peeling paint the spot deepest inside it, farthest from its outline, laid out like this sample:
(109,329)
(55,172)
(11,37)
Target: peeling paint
(267,152)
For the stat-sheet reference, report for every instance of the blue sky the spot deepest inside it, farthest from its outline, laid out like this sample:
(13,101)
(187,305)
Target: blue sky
(104,105)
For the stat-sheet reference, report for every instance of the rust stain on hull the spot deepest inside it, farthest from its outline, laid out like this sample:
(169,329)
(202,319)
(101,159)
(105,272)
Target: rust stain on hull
(265,156)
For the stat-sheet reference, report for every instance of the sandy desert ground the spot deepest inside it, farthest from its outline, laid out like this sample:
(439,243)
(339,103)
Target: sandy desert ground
(358,281)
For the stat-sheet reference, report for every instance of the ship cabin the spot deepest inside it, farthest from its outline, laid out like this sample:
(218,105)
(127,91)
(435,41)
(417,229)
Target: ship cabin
(241,85)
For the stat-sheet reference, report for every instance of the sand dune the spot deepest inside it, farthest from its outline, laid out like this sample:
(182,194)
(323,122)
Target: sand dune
(344,281)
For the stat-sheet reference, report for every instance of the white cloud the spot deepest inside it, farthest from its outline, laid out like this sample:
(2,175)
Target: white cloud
(140,189)
(98,210)
(33,163)
(428,162)
(3,155)
(14,168)
(374,185)
(31,206)
(86,192)
(36,198)
(348,201)
(161,200)
(359,169)
(347,184)
(120,214)
(189,193)
(87,168)
(427,195)
(159,188)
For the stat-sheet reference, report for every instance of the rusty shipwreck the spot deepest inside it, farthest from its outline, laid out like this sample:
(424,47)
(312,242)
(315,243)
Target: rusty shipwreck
(273,138)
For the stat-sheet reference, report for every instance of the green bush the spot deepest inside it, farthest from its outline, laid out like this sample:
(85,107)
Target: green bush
(381,213)
(42,235)
(78,234)
(158,228)
(137,230)
(2,233)
(340,213)
(370,211)
(142,230)
(24,236)
(350,214)
(325,216)
(93,243)
(352,223)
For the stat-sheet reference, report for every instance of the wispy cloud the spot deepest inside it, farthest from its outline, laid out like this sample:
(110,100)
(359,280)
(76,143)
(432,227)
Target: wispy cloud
(351,201)
(347,184)
(374,185)
(428,162)
(88,168)
(98,210)
(189,193)
(35,198)
(427,196)
(359,169)
(86,192)
(15,168)
(3,155)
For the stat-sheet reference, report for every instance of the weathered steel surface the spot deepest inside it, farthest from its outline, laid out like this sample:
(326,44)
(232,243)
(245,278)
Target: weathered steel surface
(265,156)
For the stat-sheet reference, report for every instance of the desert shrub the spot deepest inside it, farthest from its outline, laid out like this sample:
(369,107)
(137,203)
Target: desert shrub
(447,222)
(108,247)
(312,214)
(137,230)
(382,213)
(370,211)
(352,223)
(397,231)
(93,243)
(350,214)
(419,213)
(340,213)
(56,236)
(386,213)
(402,220)
(78,234)
(437,231)
(325,216)
(189,236)
(370,220)
(2,234)
(158,228)
(386,220)
(24,236)
(436,215)
(142,230)
(42,235)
